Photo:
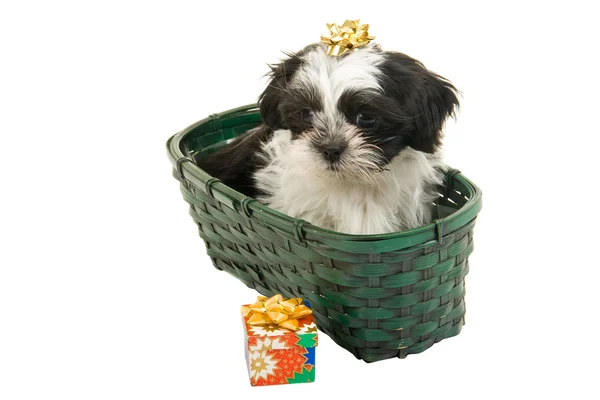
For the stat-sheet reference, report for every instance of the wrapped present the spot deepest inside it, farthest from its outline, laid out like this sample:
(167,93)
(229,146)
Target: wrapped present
(280,338)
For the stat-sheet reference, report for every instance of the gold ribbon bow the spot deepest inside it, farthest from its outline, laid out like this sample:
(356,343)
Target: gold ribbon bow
(276,311)
(351,35)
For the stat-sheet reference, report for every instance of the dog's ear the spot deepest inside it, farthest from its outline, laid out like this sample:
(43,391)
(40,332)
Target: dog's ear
(280,77)
(429,99)
(441,102)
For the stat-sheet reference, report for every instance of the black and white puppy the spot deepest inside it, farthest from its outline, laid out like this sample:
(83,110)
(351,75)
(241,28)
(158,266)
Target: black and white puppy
(349,143)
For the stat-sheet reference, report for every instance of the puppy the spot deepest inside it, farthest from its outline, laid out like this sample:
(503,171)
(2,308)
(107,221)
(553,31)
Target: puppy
(348,143)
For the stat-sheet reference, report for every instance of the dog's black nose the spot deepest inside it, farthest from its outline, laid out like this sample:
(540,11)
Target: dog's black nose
(332,153)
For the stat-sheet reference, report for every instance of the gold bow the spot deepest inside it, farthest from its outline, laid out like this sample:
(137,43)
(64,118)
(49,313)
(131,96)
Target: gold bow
(351,35)
(276,311)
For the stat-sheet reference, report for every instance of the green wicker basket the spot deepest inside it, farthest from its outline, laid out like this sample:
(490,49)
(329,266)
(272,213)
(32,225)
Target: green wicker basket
(378,296)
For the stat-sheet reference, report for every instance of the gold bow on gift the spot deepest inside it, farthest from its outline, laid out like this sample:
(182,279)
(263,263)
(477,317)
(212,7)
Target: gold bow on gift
(351,35)
(276,311)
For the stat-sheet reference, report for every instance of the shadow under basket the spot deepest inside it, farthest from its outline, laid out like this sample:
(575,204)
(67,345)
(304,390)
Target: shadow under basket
(378,296)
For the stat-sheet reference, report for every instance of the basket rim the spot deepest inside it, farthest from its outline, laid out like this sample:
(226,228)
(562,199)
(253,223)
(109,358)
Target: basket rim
(301,229)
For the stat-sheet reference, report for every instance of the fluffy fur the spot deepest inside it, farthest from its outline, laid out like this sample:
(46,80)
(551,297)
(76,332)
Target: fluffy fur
(349,143)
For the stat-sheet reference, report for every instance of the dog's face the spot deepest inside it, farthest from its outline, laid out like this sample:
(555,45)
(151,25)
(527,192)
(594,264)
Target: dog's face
(351,115)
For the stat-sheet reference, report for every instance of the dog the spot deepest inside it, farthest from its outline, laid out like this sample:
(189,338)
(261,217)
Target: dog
(351,144)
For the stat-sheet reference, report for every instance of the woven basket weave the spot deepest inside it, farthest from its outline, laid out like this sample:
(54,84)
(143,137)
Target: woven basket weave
(379,296)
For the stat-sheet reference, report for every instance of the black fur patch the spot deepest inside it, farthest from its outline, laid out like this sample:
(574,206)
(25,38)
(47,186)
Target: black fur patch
(236,163)
(424,100)
(274,102)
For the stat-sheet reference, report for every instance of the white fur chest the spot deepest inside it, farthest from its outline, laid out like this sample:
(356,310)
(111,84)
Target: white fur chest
(386,202)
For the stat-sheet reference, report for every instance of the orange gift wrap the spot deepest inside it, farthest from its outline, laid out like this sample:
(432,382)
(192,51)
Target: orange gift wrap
(280,338)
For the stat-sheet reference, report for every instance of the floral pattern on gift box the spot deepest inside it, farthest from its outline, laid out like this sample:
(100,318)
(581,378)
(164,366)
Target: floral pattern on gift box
(277,355)
(262,365)
(267,331)
(272,367)
(308,328)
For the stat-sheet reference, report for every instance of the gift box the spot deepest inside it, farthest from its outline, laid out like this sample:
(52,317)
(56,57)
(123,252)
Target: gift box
(280,338)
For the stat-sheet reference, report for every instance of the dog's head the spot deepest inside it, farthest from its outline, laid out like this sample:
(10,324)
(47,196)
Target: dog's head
(352,114)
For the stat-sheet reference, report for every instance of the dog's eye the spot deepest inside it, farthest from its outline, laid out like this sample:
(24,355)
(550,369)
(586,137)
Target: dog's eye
(307,115)
(366,121)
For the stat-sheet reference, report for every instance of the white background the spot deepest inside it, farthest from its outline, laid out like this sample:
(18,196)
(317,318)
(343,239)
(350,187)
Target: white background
(105,288)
